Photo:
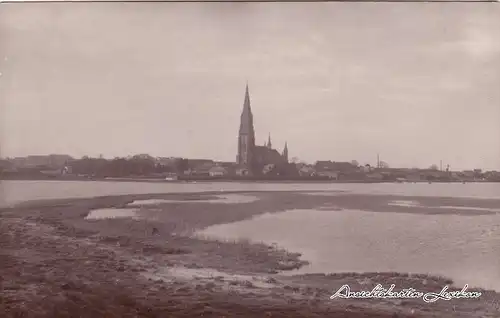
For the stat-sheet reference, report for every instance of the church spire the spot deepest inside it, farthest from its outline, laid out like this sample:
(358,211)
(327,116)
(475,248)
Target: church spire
(246,136)
(246,124)
(269,144)
(285,152)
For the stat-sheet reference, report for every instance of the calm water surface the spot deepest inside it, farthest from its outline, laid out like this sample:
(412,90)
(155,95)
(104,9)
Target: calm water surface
(464,248)
(18,191)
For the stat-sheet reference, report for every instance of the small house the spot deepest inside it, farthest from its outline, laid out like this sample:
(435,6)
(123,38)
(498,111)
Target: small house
(242,172)
(217,171)
(307,171)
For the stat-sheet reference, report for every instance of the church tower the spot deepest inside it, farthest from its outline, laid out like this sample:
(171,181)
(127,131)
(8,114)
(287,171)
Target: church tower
(269,144)
(246,136)
(285,153)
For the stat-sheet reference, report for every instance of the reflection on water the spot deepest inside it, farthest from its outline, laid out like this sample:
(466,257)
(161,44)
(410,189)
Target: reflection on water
(404,203)
(227,199)
(415,204)
(463,248)
(327,193)
(148,202)
(99,214)
(467,208)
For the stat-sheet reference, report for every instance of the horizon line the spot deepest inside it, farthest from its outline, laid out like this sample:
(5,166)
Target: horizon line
(7,158)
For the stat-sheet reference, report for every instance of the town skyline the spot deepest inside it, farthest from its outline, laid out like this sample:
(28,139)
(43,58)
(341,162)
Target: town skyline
(330,86)
(378,163)
(246,127)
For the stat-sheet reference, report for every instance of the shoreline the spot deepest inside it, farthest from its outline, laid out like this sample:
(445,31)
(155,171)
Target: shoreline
(234,180)
(250,284)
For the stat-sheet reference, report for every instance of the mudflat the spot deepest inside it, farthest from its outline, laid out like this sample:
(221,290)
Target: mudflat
(55,262)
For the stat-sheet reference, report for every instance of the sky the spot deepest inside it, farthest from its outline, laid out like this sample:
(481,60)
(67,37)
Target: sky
(417,83)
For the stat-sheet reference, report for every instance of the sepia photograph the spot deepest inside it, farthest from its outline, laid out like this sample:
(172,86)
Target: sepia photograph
(249,159)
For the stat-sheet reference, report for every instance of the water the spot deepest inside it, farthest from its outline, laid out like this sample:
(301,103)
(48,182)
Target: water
(225,199)
(12,192)
(404,203)
(463,248)
(416,204)
(98,214)
(452,207)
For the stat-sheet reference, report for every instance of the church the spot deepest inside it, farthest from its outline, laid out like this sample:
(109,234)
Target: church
(250,156)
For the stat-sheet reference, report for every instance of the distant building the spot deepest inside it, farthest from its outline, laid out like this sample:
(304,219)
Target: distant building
(225,164)
(198,163)
(329,174)
(217,171)
(67,170)
(468,174)
(332,166)
(202,171)
(5,163)
(492,176)
(366,168)
(54,161)
(6,166)
(413,177)
(242,171)
(268,168)
(264,155)
(250,156)
(375,176)
(18,162)
(171,177)
(307,171)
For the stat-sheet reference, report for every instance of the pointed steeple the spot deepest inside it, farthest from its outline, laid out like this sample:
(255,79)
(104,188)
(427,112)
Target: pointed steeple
(246,124)
(285,152)
(269,144)
(246,136)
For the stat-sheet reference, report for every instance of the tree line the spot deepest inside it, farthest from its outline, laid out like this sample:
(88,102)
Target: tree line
(123,167)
